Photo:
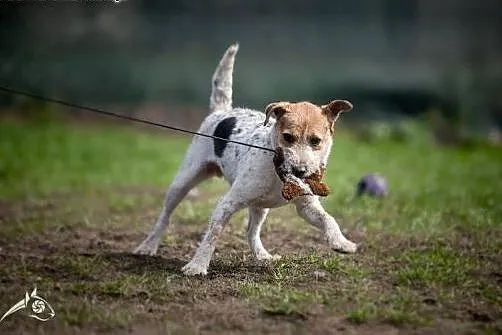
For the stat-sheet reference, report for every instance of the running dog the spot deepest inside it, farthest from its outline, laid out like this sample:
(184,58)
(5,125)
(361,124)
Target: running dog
(302,132)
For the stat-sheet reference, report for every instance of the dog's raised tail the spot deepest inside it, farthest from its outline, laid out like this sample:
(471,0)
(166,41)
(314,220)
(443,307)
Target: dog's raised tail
(221,94)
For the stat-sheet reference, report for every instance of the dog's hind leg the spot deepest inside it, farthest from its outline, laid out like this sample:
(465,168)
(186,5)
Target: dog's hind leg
(190,174)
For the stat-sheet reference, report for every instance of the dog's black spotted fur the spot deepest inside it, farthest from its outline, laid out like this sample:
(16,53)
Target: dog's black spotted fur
(223,130)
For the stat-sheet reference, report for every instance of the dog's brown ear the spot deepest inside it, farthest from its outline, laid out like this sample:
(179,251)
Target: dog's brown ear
(334,109)
(278,108)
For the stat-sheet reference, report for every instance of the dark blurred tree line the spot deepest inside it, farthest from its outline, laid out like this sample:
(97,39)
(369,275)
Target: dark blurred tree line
(388,56)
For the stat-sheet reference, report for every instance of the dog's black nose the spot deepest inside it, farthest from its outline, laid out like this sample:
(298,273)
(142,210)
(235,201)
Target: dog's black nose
(299,171)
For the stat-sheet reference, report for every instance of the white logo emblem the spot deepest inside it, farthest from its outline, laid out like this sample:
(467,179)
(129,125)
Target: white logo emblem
(41,310)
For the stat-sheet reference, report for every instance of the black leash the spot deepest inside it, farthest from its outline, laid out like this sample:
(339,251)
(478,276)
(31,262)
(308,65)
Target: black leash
(125,117)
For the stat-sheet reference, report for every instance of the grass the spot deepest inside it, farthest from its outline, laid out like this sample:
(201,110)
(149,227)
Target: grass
(54,158)
(437,266)
(75,199)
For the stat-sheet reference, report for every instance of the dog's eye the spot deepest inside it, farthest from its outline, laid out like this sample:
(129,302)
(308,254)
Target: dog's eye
(288,137)
(315,141)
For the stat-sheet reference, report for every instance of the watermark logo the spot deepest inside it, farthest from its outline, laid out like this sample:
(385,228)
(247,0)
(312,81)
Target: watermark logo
(40,308)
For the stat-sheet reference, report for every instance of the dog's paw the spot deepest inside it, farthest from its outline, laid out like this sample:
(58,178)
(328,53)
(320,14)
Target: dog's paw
(146,249)
(193,269)
(346,247)
(267,257)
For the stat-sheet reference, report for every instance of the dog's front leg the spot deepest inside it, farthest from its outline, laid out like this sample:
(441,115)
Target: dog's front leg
(226,207)
(311,210)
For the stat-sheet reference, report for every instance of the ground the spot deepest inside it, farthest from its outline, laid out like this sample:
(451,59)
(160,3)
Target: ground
(76,199)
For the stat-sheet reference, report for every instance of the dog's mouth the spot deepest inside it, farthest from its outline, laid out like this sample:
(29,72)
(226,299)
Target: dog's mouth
(279,163)
(282,169)
(299,172)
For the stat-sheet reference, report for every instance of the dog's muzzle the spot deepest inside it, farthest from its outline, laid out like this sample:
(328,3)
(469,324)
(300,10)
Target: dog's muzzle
(299,171)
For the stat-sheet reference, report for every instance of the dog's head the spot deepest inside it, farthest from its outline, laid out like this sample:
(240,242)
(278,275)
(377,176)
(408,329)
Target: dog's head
(303,133)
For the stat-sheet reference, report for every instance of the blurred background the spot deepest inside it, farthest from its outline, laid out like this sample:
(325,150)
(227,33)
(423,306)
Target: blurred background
(406,65)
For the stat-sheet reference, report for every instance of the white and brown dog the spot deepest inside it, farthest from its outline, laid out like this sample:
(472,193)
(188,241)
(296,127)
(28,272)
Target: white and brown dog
(302,131)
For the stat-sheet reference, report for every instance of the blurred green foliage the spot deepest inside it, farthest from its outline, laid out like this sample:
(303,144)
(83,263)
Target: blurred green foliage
(389,57)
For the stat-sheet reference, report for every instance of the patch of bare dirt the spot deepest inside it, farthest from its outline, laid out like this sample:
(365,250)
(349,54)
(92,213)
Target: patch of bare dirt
(98,286)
